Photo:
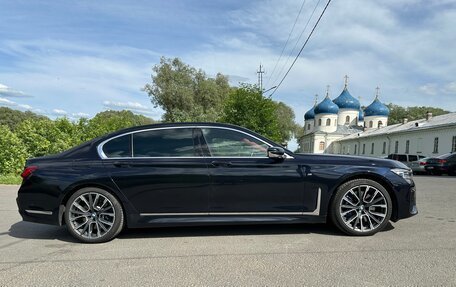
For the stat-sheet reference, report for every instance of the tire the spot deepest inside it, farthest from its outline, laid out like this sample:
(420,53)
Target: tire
(361,218)
(93,215)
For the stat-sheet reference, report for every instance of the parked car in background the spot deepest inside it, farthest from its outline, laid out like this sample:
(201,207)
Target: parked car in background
(406,159)
(445,163)
(202,174)
(419,166)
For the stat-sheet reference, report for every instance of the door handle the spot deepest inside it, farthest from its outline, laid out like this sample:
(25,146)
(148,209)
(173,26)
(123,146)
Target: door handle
(221,163)
(120,164)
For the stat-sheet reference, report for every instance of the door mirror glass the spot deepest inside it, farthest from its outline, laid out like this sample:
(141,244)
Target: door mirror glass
(276,152)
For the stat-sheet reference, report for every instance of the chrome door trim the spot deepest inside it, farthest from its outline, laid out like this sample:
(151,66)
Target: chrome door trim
(43,212)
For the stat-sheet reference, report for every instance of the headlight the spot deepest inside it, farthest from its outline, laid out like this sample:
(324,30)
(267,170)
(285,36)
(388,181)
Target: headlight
(404,173)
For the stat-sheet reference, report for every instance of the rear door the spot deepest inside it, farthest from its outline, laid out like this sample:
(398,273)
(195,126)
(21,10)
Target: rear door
(163,172)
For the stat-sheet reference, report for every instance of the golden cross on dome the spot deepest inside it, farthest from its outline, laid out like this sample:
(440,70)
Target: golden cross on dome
(316,99)
(377,92)
(327,90)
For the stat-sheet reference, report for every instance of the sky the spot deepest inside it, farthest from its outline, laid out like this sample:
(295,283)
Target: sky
(77,58)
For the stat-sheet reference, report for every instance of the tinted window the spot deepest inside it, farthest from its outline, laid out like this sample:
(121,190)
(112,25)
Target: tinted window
(401,157)
(223,142)
(413,157)
(444,156)
(118,147)
(164,143)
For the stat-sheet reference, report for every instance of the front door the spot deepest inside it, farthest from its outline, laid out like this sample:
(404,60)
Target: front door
(245,180)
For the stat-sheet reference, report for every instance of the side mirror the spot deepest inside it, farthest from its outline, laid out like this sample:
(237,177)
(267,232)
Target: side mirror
(276,152)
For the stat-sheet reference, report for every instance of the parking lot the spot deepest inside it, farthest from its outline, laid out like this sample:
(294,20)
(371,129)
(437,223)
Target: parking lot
(416,251)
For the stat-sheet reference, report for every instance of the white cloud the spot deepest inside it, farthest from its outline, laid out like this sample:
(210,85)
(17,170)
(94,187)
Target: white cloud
(6,102)
(8,92)
(59,112)
(126,105)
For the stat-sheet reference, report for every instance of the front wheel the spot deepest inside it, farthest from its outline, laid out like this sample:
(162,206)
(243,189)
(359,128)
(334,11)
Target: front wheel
(93,215)
(361,207)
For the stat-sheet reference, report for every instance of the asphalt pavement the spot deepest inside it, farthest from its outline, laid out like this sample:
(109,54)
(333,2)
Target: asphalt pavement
(419,251)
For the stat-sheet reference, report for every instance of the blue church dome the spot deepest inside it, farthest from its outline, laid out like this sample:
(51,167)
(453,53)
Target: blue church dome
(376,109)
(310,114)
(346,101)
(326,107)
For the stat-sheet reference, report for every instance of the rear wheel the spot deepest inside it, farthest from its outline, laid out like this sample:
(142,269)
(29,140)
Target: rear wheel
(361,207)
(93,215)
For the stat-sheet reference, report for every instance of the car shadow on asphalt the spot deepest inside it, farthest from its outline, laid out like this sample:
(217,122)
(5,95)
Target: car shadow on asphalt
(27,230)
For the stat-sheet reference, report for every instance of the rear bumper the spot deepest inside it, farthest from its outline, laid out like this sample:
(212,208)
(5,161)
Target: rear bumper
(38,207)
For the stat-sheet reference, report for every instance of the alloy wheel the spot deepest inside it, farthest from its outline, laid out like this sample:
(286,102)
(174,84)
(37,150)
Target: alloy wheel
(363,208)
(92,215)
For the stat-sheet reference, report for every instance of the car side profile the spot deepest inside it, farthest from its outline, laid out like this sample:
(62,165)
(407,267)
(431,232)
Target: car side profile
(208,174)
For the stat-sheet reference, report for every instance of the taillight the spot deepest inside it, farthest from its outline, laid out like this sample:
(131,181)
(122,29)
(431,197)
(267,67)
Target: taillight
(442,161)
(423,163)
(28,171)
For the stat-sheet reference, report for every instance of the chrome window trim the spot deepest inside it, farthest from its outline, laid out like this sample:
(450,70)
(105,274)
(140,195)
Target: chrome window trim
(102,155)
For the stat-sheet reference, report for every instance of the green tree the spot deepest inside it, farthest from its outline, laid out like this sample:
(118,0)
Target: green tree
(398,113)
(185,93)
(13,154)
(247,107)
(287,126)
(109,121)
(12,118)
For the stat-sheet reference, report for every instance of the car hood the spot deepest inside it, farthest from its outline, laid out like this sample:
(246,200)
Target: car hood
(348,160)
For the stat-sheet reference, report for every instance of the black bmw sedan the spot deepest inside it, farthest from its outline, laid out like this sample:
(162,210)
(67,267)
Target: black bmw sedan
(206,174)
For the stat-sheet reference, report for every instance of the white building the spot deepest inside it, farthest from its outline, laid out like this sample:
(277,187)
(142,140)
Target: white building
(342,127)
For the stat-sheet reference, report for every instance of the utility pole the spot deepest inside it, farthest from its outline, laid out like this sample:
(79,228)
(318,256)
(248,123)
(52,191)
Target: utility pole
(260,73)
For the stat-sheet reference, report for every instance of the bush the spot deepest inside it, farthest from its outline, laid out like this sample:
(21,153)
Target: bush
(13,154)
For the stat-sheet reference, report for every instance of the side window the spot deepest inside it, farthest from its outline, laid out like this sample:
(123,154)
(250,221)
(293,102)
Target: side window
(164,143)
(118,147)
(413,158)
(402,157)
(229,143)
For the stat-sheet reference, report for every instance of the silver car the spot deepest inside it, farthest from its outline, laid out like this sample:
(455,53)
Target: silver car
(418,166)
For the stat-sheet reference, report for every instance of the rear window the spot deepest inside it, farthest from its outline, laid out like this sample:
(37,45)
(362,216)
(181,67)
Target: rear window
(445,156)
(164,143)
(118,147)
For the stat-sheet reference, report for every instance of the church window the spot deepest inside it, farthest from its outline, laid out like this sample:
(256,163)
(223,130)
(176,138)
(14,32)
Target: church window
(396,147)
(372,148)
(319,122)
(371,124)
(322,146)
(328,122)
(380,124)
(436,145)
(356,149)
(407,146)
(364,148)
(308,126)
(384,148)
(347,120)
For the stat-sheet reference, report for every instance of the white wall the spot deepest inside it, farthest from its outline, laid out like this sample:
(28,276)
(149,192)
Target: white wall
(343,113)
(420,142)
(375,121)
(323,127)
(308,123)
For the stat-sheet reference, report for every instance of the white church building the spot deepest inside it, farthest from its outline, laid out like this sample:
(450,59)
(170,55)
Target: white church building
(341,126)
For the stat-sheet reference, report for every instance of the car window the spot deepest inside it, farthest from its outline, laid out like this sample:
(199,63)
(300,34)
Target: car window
(421,156)
(164,143)
(413,157)
(401,157)
(118,147)
(229,143)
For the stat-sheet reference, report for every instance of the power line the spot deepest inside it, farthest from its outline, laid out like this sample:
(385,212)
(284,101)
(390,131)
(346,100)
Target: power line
(296,43)
(286,43)
(302,48)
